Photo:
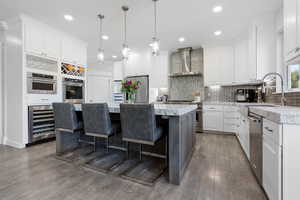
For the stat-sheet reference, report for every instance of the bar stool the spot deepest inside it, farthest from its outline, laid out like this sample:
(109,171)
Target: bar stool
(139,125)
(67,121)
(97,122)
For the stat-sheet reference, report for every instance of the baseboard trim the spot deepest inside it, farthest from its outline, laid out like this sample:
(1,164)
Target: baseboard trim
(13,143)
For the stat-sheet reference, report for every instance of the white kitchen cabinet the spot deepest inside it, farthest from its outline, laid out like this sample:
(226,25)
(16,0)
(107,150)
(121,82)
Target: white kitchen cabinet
(213,118)
(211,67)
(52,43)
(73,51)
(218,65)
(243,72)
(272,159)
(291,25)
(41,40)
(34,38)
(262,45)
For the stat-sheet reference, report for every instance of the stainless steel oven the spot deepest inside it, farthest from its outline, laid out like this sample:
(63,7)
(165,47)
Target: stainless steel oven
(73,90)
(41,83)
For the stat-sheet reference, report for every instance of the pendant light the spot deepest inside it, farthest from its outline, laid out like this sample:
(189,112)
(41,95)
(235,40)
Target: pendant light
(100,55)
(125,48)
(155,41)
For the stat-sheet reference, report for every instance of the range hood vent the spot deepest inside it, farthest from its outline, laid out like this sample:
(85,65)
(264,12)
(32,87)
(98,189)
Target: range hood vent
(186,63)
(186,59)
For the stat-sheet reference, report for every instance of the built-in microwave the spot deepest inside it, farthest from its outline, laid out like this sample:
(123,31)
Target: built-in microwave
(41,83)
(73,90)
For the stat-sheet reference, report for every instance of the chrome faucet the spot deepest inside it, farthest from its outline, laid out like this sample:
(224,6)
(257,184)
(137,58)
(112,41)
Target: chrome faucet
(283,99)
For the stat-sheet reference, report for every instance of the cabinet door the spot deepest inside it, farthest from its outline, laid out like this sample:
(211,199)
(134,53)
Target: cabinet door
(213,120)
(226,63)
(34,38)
(211,66)
(52,43)
(81,53)
(69,50)
(290,26)
(271,168)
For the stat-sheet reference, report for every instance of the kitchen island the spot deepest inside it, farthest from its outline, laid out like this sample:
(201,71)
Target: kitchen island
(181,136)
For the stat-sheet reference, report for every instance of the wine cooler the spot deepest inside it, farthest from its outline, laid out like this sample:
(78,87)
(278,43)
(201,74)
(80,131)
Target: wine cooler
(40,123)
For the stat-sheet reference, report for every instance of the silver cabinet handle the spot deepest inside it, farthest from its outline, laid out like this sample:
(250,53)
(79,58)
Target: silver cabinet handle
(268,129)
(44,99)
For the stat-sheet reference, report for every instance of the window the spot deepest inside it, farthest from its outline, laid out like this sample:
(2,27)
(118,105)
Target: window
(293,76)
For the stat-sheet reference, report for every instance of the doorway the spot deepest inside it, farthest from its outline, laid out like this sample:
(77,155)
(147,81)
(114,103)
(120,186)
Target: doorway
(99,89)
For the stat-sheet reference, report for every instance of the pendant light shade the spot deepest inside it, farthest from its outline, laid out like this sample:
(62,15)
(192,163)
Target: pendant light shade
(125,48)
(100,54)
(155,41)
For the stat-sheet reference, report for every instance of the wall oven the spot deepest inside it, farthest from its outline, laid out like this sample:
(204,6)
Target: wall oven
(41,83)
(73,90)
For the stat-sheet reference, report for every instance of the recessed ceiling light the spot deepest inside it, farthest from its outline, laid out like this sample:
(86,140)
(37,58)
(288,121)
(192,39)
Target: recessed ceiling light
(114,56)
(105,37)
(217,9)
(181,39)
(217,33)
(69,17)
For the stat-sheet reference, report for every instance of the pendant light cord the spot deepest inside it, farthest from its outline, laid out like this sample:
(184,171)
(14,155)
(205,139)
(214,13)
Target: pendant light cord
(125,27)
(155,19)
(101,17)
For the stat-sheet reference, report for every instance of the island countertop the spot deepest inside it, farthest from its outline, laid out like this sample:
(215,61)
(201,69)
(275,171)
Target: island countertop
(160,109)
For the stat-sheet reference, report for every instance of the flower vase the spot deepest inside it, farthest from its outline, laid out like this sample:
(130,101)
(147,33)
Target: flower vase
(131,98)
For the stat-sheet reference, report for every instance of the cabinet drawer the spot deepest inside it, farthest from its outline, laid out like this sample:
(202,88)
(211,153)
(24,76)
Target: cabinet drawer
(230,115)
(230,121)
(230,108)
(230,128)
(213,107)
(272,131)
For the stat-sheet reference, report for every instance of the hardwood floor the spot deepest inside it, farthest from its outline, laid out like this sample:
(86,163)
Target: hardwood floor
(218,171)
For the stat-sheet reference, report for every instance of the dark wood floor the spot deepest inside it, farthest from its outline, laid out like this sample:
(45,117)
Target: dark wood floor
(218,171)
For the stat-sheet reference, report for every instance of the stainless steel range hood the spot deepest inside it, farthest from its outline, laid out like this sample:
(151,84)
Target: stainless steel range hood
(186,63)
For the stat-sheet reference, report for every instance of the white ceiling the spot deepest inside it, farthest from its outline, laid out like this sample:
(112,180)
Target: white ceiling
(192,19)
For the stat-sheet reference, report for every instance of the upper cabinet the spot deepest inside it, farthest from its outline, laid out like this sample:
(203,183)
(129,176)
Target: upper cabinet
(243,73)
(262,45)
(291,29)
(44,41)
(41,40)
(218,65)
(73,51)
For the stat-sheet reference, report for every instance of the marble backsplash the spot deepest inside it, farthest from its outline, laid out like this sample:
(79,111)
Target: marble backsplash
(182,88)
(224,94)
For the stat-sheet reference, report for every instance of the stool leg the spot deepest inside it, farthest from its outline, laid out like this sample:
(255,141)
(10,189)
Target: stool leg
(127,150)
(94,144)
(166,152)
(141,150)
(107,145)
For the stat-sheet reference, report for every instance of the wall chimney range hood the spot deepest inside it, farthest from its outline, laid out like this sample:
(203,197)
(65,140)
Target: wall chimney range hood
(186,63)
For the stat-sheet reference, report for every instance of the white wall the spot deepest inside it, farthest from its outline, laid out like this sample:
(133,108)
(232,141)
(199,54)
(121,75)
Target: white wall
(143,63)
(99,82)
(1,84)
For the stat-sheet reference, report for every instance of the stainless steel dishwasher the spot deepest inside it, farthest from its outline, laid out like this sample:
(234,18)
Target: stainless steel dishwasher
(256,143)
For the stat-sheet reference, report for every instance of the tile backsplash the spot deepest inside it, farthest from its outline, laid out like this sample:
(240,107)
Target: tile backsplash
(182,88)
(224,94)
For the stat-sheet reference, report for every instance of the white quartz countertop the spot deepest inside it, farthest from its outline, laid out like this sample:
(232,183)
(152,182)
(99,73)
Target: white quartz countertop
(279,114)
(160,109)
(275,113)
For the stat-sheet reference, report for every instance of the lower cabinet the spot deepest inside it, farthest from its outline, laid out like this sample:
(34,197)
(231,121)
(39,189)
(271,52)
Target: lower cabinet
(272,159)
(212,120)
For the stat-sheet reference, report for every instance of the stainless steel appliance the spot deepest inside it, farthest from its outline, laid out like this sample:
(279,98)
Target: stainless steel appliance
(246,95)
(40,123)
(142,95)
(41,83)
(73,90)
(256,143)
